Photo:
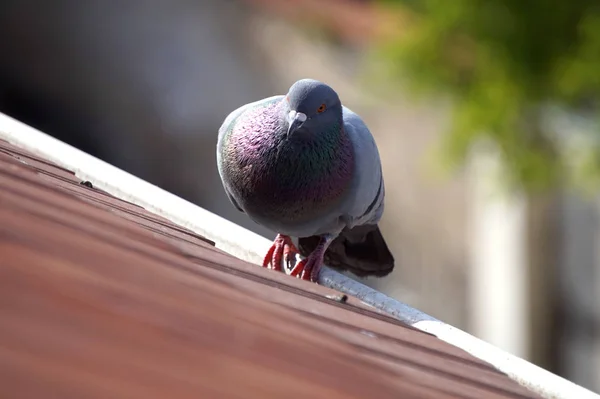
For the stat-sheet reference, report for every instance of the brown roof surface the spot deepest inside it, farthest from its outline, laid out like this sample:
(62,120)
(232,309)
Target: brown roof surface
(102,299)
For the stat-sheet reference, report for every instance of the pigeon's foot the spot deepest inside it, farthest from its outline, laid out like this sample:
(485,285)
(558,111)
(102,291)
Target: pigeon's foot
(309,268)
(282,249)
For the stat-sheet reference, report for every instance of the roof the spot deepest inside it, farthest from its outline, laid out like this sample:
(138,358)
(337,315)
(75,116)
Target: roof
(102,298)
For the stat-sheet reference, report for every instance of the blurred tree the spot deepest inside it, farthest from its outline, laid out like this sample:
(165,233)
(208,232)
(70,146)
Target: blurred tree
(510,68)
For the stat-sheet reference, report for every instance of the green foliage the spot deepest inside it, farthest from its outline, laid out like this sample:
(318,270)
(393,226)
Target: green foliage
(503,63)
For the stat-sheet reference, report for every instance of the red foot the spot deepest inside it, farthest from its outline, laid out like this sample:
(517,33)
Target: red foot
(282,248)
(308,269)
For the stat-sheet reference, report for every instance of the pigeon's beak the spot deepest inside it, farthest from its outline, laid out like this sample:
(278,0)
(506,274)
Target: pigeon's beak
(295,120)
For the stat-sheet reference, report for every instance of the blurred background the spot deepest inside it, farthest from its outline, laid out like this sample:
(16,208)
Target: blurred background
(485,114)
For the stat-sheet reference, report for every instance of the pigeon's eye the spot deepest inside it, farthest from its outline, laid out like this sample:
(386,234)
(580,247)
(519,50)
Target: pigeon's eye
(321,108)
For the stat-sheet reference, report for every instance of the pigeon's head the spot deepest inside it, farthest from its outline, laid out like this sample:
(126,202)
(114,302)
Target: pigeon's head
(313,107)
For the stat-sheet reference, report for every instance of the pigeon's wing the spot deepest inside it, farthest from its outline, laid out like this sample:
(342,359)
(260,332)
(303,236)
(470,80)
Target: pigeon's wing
(360,247)
(227,126)
(366,202)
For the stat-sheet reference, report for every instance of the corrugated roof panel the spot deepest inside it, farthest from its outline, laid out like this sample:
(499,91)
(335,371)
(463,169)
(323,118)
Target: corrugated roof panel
(102,299)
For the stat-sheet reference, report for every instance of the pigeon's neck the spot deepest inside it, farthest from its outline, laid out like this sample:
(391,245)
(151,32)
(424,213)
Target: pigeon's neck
(309,176)
(294,179)
(312,171)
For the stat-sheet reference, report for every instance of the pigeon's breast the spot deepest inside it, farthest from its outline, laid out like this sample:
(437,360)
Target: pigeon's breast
(285,183)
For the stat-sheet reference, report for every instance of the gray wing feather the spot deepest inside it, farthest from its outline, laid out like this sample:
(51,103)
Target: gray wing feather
(366,204)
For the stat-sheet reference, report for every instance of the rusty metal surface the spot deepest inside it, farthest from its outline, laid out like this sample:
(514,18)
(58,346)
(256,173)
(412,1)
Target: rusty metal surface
(102,299)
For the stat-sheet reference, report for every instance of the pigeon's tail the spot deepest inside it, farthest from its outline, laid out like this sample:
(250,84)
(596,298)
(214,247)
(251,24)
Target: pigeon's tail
(360,250)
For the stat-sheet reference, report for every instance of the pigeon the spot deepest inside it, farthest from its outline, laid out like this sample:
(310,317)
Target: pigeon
(303,165)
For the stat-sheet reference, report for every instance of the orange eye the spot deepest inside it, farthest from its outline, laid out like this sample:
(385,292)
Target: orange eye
(321,108)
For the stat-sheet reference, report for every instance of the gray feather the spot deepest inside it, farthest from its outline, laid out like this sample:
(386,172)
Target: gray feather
(365,203)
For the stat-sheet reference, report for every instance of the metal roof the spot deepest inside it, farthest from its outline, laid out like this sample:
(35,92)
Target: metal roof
(101,298)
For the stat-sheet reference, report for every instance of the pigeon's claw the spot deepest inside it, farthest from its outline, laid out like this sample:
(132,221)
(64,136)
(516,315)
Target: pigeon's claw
(282,249)
(309,268)
(269,256)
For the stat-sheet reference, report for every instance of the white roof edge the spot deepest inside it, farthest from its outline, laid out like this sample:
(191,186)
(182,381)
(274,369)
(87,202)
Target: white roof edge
(251,247)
